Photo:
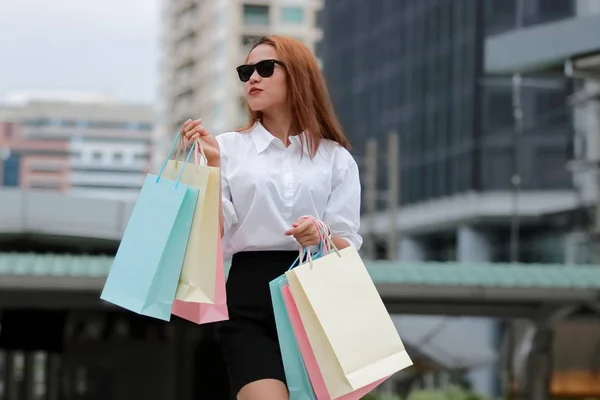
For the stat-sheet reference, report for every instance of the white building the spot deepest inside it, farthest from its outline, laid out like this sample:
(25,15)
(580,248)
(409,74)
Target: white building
(78,143)
(203,42)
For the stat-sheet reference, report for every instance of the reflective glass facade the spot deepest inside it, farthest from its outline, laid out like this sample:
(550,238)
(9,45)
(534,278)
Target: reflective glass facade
(416,67)
(506,15)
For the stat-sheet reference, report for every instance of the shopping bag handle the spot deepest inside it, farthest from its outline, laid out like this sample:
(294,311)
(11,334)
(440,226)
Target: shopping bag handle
(325,242)
(187,159)
(199,155)
(304,251)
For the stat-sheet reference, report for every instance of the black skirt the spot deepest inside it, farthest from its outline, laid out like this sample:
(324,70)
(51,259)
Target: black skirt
(249,338)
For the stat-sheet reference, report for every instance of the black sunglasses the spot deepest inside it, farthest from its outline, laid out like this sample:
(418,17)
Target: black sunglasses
(264,68)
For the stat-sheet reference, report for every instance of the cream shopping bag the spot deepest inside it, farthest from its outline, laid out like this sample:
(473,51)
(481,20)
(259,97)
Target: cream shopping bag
(349,329)
(199,272)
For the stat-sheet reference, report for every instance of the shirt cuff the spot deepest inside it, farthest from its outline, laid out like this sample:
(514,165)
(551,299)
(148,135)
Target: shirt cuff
(355,240)
(229,215)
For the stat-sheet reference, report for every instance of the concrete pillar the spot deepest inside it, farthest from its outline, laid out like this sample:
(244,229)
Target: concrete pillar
(474,246)
(53,374)
(539,364)
(30,381)
(586,121)
(11,387)
(411,249)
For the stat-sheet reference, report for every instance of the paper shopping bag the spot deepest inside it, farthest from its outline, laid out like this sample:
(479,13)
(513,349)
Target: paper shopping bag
(205,313)
(296,376)
(197,280)
(146,268)
(308,356)
(349,329)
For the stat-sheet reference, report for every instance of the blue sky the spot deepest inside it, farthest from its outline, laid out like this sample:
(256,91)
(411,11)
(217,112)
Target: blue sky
(107,46)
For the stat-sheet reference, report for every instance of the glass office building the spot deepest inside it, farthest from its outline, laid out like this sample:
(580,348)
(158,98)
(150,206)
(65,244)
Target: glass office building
(416,67)
(439,73)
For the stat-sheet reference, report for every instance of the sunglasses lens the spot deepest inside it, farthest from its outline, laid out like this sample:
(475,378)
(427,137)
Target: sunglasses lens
(245,72)
(265,68)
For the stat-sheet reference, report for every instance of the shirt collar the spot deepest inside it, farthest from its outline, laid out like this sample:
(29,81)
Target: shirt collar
(263,139)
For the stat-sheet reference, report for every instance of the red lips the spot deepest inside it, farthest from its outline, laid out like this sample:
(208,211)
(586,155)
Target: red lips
(254,91)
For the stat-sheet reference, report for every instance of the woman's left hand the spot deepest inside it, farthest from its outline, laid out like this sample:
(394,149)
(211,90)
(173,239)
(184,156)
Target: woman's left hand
(305,232)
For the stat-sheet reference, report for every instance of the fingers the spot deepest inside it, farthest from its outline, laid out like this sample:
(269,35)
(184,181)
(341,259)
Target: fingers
(189,125)
(305,233)
(192,130)
(298,228)
(308,240)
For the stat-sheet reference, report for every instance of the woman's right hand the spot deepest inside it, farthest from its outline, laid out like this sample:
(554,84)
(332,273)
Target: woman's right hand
(193,130)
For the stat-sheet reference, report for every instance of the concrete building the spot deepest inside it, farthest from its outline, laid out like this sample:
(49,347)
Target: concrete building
(82,144)
(203,42)
(483,109)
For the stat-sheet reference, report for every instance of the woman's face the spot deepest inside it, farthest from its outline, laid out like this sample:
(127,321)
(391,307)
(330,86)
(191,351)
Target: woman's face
(264,93)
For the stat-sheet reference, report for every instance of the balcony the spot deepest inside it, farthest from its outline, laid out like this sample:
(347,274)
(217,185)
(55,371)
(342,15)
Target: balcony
(104,179)
(39,134)
(184,78)
(542,47)
(185,51)
(185,24)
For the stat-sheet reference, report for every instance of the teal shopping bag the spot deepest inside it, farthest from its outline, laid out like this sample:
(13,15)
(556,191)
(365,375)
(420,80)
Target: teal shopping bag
(296,375)
(146,269)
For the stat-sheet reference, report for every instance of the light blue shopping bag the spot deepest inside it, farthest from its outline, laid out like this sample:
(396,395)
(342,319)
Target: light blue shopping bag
(146,269)
(296,375)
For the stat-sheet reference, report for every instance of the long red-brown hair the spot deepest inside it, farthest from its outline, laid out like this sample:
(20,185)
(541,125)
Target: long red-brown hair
(312,111)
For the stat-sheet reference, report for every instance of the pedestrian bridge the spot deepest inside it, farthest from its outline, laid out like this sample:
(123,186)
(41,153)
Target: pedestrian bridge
(35,225)
(42,213)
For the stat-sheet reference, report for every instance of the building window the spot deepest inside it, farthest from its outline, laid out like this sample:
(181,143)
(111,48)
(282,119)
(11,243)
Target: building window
(256,15)
(11,170)
(36,122)
(249,40)
(141,157)
(45,168)
(45,184)
(319,19)
(292,15)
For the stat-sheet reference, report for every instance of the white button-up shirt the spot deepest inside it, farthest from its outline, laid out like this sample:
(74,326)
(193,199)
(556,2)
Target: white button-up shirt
(266,187)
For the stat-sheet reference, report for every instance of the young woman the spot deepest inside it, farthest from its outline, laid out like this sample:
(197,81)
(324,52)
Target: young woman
(290,161)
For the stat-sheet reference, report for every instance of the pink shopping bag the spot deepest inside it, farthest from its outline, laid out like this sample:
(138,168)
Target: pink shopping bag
(316,378)
(203,313)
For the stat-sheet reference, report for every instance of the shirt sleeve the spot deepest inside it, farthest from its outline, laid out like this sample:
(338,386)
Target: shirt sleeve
(342,214)
(230,217)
